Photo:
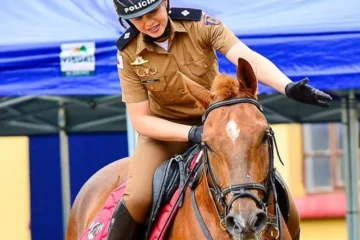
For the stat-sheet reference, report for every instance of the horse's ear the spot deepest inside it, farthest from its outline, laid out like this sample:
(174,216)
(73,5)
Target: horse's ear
(201,94)
(246,77)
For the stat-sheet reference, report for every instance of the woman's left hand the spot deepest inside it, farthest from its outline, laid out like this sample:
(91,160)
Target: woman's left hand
(300,91)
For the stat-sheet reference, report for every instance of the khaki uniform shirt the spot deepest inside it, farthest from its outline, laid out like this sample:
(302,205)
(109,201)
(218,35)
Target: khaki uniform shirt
(158,75)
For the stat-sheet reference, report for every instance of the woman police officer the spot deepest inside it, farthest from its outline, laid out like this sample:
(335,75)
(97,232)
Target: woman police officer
(161,48)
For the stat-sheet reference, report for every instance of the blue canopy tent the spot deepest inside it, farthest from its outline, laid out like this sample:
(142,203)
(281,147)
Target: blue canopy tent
(58,72)
(58,66)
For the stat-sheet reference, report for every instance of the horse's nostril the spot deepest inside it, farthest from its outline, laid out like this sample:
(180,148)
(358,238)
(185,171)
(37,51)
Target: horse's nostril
(253,222)
(260,220)
(232,225)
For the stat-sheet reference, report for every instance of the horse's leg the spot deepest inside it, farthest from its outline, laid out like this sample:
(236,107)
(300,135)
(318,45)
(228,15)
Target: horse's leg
(93,195)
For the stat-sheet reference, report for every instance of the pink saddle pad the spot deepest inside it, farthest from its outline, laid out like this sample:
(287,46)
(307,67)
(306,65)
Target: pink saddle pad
(99,227)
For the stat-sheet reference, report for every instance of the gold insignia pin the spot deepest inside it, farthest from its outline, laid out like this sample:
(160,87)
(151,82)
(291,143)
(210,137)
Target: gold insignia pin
(146,71)
(139,61)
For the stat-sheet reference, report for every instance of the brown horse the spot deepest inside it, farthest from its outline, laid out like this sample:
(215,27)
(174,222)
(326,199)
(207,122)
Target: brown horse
(235,197)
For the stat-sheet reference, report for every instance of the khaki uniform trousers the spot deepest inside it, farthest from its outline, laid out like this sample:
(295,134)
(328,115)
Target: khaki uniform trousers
(148,155)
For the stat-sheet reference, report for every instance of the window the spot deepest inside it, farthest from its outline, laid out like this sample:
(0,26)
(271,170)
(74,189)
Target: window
(340,180)
(323,156)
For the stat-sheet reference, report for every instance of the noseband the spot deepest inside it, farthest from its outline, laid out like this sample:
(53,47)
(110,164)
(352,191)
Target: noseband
(218,195)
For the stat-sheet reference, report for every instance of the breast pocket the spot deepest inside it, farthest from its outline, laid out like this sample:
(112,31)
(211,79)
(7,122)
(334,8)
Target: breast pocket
(157,88)
(201,69)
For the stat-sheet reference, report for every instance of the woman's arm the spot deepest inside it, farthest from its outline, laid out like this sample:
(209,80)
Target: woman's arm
(154,127)
(219,37)
(265,71)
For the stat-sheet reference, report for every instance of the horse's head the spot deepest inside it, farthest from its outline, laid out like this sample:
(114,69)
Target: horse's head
(236,137)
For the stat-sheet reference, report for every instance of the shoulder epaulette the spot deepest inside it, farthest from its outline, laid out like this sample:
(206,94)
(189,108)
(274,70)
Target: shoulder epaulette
(190,14)
(128,35)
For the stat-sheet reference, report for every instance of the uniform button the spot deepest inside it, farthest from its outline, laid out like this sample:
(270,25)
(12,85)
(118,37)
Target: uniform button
(152,88)
(205,66)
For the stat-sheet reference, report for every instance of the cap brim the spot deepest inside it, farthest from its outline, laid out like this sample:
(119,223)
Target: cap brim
(141,12)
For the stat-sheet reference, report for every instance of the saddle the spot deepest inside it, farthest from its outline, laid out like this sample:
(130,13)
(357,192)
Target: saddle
(169,177)
(169,180)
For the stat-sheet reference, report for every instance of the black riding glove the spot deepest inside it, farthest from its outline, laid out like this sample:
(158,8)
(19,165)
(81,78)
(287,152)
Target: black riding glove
(195,134)
(301,92)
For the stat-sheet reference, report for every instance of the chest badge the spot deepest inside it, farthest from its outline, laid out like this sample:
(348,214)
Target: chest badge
(146,71)
(139,61)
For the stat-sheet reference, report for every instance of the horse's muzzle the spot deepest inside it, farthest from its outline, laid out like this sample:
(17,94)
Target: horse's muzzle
(252,222)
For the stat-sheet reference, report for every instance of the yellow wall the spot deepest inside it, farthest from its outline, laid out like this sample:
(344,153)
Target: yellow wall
(14,188)
(324,229)
(288,138)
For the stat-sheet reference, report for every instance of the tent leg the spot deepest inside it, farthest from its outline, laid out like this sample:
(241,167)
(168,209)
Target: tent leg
(131,135)
(351,145)
(65,170)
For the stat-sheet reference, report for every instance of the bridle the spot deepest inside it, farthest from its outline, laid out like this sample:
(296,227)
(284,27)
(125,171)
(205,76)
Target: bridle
(218,195)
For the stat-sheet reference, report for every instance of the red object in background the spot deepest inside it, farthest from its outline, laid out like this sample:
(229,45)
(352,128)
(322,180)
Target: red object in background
(331,205)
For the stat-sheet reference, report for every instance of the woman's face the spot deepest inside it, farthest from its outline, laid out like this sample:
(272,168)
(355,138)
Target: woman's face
(154,22)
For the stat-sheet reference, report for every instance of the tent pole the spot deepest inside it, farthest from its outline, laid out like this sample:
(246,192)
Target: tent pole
(15,101)
(131,135)
(351,145)
(65,170)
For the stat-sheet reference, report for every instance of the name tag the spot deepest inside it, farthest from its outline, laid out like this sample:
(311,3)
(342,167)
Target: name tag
(150,81)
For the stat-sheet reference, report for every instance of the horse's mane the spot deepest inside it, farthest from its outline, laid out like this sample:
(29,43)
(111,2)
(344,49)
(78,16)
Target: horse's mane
(226,87)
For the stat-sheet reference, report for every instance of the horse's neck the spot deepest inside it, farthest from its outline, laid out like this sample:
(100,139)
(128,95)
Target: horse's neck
(203,197)
(207,210)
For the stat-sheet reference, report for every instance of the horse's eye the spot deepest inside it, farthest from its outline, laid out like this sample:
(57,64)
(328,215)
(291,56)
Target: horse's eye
(265,138)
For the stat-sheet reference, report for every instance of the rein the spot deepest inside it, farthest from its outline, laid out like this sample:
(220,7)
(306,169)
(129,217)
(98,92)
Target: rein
(218,195)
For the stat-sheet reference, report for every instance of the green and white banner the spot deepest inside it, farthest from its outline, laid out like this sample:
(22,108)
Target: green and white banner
(77,59)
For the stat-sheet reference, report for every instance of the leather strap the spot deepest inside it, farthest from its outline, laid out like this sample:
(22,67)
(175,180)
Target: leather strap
(179,199)
(199,217)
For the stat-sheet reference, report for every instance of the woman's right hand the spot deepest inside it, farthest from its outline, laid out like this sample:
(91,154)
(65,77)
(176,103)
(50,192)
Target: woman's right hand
(195,134)
(147,125)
